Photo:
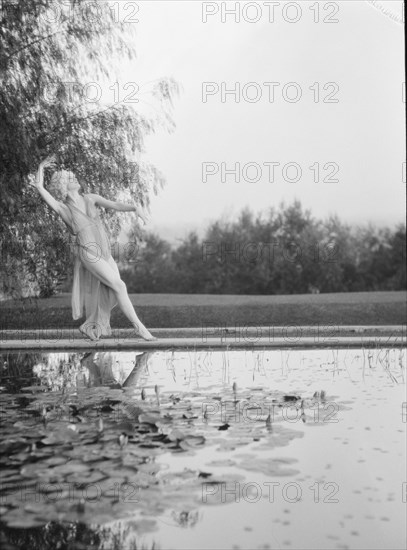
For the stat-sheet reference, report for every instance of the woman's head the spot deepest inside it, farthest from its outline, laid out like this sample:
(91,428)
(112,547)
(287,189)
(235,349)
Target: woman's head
(62,182)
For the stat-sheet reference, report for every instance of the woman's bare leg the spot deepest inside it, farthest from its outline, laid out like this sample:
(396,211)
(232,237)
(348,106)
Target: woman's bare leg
(109,275)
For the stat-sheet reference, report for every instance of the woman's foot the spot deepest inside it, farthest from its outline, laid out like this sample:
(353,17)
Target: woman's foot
(87,331)
(144,333)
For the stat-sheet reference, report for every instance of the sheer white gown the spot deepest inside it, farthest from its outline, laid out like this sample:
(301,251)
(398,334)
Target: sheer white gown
(89,294)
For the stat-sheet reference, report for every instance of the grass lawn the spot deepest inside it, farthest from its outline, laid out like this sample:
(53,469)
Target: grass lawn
(197,310)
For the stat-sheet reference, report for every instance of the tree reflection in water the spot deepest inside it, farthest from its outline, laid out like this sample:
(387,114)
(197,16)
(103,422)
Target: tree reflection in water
(72,536)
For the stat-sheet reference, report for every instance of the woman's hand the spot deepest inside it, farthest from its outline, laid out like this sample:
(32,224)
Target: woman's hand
(143,217)
(46,163)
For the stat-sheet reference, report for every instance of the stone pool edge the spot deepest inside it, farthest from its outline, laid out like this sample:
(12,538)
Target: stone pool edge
(306,336)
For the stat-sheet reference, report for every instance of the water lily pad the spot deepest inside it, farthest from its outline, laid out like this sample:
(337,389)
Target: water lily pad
(61,436)
(193,441)
(269,466)
(146,418)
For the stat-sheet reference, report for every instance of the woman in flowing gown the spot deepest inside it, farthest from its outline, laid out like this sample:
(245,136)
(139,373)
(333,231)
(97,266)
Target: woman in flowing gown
(97,286)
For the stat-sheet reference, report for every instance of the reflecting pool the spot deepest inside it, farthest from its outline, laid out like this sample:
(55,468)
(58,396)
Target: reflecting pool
(211,449)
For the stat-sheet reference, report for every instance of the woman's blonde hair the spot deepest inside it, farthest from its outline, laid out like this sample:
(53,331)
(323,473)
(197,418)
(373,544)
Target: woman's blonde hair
(58,186)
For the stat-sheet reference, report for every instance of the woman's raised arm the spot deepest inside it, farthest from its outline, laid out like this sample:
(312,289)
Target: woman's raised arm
(39,185)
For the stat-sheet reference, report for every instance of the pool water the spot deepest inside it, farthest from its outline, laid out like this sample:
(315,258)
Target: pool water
(215,449)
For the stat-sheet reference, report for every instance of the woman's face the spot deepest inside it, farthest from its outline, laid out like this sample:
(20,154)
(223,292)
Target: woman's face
(70,181)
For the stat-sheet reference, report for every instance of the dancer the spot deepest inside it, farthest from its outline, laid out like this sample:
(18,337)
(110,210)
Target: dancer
(97,286)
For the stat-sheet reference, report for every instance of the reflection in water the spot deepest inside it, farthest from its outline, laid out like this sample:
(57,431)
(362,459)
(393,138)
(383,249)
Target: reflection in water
(105,369)
(114,449)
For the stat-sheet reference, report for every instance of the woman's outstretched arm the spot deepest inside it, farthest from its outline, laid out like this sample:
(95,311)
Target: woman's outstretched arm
(119,206)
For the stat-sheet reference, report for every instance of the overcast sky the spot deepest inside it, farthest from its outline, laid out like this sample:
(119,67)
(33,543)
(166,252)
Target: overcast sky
(356,124)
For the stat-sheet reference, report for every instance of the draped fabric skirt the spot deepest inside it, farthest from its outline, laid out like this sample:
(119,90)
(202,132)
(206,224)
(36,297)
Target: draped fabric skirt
(90,297)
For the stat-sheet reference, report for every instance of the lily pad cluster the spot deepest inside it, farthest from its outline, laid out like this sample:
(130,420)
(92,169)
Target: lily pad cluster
(72,454)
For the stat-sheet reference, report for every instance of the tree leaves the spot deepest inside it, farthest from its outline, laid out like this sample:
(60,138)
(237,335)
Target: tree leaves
(50,52)
(283,251)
